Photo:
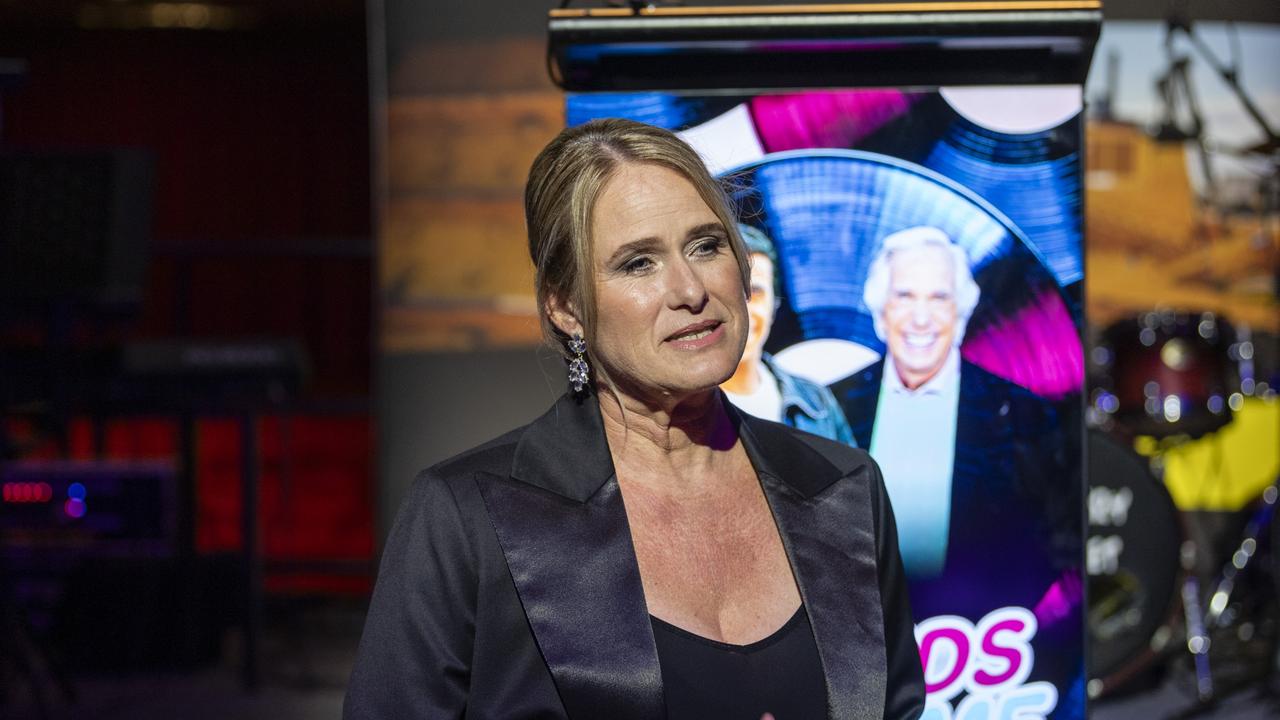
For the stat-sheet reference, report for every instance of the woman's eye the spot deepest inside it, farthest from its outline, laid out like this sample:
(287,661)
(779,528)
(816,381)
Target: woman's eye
(637,265)
(709,246)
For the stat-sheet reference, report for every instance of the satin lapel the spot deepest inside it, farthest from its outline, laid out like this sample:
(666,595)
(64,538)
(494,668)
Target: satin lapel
(563,530)
(827,526)
(575,570)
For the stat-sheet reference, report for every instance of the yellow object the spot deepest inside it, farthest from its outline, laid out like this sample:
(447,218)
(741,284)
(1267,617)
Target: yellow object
(1227,469)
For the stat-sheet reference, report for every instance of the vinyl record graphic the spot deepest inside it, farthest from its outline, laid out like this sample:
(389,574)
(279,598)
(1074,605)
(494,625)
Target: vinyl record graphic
(828,210)
(671,112)
(1033,178)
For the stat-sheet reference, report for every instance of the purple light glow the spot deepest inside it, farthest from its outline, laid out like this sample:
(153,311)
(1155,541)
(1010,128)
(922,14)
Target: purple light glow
(74,508)
(825,119)
(1060,600)
(1039,348)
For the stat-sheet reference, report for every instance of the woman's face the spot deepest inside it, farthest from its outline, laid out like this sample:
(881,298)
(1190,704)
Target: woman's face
(671,314)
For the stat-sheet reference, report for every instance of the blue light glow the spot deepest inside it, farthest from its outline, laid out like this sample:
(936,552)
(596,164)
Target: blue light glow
(665,111)
(1031,178)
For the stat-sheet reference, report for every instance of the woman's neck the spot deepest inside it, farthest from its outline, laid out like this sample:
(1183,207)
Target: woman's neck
(688,433)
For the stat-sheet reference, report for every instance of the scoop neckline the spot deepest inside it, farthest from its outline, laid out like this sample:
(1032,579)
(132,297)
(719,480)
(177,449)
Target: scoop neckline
(771,639)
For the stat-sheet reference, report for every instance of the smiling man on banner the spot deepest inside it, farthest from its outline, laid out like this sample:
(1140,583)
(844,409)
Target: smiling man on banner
(963,451)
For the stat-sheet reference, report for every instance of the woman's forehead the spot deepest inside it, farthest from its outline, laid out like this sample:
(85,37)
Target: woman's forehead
(646,201)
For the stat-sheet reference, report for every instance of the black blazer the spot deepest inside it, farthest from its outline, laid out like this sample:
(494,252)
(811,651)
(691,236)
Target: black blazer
(509,586)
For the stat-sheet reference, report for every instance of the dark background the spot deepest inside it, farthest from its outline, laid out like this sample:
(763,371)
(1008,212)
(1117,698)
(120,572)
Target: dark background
(268,131)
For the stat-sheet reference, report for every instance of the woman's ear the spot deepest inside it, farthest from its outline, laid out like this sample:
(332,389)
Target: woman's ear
(563,316)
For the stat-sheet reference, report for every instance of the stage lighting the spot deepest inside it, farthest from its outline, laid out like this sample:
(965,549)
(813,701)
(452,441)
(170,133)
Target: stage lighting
(814,46)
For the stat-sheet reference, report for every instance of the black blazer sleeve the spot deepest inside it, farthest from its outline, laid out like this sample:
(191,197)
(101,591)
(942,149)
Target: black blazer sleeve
(415,655)
(904,687)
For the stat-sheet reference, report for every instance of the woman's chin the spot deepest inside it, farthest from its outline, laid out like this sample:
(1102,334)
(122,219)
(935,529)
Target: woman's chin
(674,389)
(699,383)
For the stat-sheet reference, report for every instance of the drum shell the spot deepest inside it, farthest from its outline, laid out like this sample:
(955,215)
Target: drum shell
(1171,373)
(1134,562)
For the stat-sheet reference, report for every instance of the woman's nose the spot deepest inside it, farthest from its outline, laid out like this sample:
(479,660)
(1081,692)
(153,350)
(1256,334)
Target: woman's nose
(685,287)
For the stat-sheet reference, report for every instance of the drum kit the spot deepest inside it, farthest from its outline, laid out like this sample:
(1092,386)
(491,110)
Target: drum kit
(1166,596)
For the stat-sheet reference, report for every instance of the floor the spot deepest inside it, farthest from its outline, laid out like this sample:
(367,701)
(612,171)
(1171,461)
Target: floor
(1173,698)
(307,653)
(308,658)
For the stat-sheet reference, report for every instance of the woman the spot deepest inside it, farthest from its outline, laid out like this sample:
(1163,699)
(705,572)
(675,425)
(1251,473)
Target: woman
(641,550)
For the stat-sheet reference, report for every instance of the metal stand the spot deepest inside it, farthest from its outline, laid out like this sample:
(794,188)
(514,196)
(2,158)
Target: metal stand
(252,551)
(1218,615)
(25,655)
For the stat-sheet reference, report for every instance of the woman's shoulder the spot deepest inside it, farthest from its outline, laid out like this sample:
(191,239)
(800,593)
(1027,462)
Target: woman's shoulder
(775,435)
(449,483)
(493,457)
(844,456)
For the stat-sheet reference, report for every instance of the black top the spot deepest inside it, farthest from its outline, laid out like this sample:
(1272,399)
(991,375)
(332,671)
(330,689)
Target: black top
(781,674)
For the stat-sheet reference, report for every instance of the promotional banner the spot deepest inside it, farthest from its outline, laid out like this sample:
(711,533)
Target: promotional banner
(916,292)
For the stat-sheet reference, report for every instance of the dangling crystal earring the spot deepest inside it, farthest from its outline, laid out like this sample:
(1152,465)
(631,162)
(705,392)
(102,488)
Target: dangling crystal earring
(578,365)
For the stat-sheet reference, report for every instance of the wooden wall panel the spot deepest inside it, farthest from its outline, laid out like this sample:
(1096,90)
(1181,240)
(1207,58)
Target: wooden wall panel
(468,249)
(464,122)
(502,64)
(458,327)
(476,143)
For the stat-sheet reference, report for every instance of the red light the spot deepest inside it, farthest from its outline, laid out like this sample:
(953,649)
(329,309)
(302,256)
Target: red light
(24,492)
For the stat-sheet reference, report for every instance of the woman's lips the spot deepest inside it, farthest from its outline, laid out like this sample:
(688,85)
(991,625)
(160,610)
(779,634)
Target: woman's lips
(697,335)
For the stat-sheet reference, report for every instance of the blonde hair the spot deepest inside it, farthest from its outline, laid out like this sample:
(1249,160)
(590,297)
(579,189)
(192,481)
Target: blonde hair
(565,182)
